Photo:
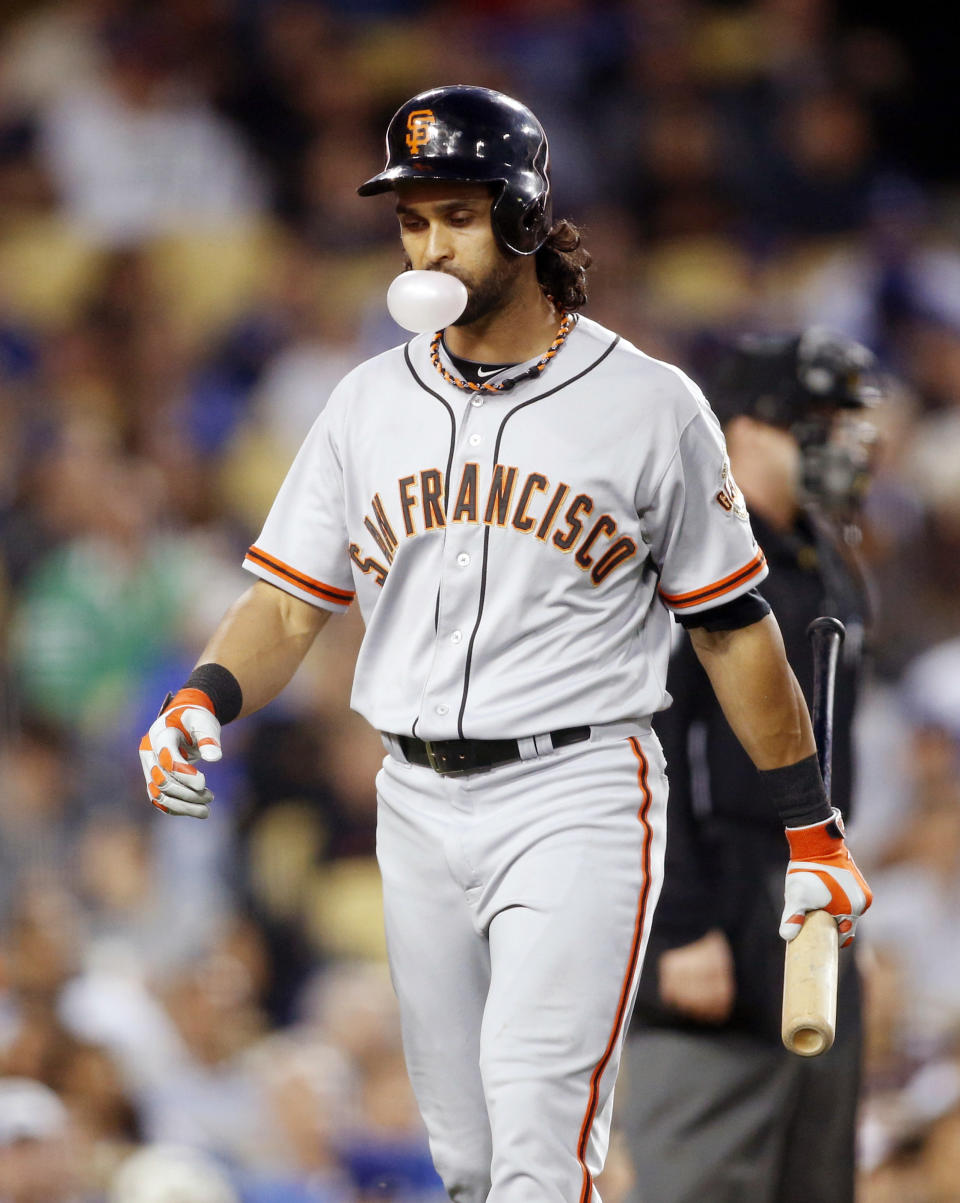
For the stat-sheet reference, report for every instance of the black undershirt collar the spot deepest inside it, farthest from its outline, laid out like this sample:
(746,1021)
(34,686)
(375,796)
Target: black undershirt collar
(476,373)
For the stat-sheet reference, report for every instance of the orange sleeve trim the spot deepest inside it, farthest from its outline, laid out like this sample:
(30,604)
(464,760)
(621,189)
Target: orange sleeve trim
(626,988)
(680,601)
(342,597)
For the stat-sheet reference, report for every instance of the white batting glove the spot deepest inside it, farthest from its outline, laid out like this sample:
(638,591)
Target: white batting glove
(822,876)
(185,731)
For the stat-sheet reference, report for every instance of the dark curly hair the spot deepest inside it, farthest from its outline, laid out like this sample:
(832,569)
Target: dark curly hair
(562,265)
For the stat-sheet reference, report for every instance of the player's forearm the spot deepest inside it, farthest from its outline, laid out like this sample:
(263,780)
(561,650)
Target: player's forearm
(758,692)
(262,640)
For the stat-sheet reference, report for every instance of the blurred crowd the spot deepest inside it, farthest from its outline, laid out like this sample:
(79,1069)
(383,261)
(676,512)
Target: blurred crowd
(185,270)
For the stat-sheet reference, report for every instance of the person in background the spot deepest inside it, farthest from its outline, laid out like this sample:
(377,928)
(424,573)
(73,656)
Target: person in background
(716,1109)
(37,1156)
(170,1173)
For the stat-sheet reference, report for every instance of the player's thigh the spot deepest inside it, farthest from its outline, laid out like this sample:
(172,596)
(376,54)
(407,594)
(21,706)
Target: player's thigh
(571,905)
(566,940)
(703,1116)
(439,964)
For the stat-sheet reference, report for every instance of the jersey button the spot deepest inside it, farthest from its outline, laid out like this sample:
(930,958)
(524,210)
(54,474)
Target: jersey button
(443,709)
(463,559)
(476,402)
(456,637)
(475,440)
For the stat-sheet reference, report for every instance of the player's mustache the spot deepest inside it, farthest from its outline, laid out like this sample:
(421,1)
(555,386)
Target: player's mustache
(408,266)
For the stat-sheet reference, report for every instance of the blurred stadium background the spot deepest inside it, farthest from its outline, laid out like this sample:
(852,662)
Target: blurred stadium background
(184,271)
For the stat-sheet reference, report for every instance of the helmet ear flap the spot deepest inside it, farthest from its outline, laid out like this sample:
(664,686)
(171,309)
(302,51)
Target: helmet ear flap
(533,214)
(521,228)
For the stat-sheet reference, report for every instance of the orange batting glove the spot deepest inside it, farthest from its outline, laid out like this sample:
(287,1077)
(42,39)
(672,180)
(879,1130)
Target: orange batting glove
(822,876)
(185,731)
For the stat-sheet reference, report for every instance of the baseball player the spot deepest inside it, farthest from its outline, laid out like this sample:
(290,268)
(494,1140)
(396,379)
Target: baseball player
(518,503)
(709,1006)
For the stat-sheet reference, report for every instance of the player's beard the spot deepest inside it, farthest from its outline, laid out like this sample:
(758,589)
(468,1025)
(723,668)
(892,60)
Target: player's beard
(485,294)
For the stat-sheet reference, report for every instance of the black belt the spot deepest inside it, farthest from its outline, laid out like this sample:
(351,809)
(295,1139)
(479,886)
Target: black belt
(456,757)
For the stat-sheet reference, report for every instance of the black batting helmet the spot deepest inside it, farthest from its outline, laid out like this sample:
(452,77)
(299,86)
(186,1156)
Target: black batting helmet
(477,135)
(782,380)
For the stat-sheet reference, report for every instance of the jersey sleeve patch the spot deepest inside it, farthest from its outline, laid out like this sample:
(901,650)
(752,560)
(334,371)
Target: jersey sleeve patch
(730,498)
(754,568)
(261,563)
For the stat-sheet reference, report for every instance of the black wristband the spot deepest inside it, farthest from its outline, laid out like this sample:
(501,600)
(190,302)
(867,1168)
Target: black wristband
(797,792)
(221,687)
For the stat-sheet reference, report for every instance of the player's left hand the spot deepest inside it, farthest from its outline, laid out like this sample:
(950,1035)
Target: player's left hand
(185,731)
(697,979)
(822,876)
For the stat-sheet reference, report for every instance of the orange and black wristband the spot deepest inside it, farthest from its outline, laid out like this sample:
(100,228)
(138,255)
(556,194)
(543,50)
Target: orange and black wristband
(797,791)
(221,687)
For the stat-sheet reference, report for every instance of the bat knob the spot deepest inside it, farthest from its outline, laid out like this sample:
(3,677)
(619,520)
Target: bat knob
(809,1040)
(824,627)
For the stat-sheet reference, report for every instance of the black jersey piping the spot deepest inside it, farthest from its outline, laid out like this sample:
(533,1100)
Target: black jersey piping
(453,426)
(446,477)
(486,534)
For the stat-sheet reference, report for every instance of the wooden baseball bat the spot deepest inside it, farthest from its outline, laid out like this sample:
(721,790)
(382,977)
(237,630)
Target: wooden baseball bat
(809,1021)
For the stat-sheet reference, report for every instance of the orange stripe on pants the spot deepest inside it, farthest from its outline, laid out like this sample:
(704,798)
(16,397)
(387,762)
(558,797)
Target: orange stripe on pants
(625,989)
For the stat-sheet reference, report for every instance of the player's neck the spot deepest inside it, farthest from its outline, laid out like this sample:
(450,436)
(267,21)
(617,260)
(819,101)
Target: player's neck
(769,492)
(766,465)
(521,329)
(780,510)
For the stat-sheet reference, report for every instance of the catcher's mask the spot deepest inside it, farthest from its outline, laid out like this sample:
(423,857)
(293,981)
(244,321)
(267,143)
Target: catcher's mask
(801,383)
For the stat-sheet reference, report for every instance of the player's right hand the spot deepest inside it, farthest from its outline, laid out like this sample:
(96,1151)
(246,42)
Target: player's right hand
(185,731)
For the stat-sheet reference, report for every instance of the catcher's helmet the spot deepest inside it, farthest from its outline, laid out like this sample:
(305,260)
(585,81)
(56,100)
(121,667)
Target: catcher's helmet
(799,384)
(475,134)
(782,380)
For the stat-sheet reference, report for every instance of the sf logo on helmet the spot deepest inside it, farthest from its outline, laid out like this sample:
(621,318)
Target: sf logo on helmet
(419,124)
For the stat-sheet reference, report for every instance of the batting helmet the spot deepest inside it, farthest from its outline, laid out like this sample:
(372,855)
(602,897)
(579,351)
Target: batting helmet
(781,380)
(477,135)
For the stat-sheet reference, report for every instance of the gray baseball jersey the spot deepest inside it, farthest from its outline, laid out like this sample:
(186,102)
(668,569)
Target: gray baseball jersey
(515,555)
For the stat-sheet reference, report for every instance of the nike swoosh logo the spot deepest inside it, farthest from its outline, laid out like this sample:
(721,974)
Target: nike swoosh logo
(489,372)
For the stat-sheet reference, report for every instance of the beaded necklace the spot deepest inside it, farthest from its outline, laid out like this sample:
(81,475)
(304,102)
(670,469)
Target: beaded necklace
(566,325)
